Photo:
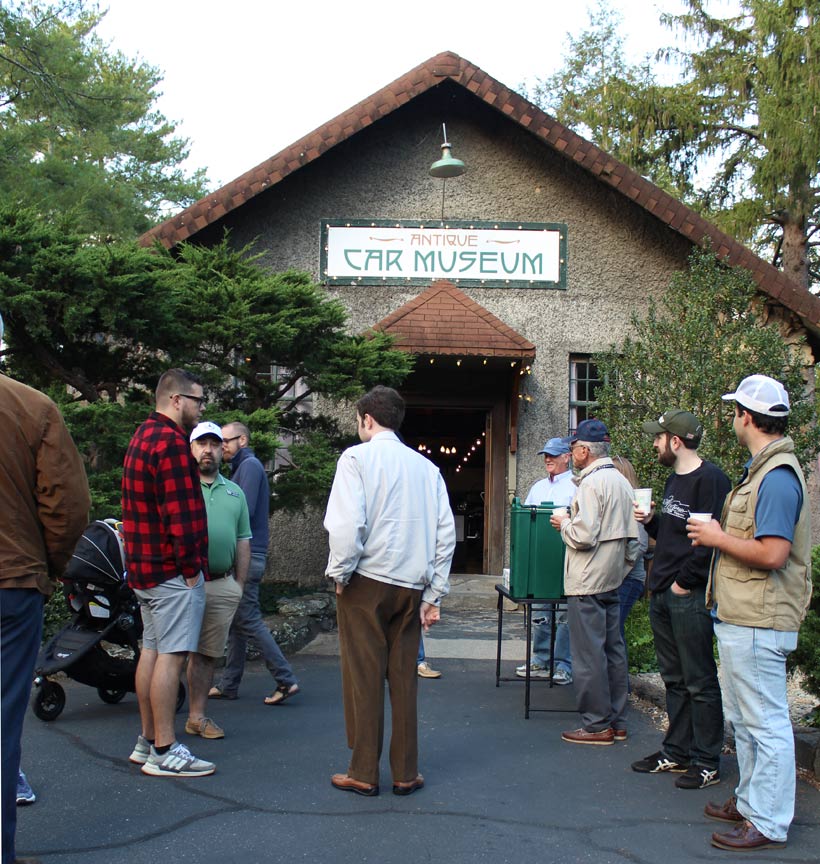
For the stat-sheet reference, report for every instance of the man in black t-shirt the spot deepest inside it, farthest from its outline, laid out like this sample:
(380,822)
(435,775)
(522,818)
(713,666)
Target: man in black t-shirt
(681,624)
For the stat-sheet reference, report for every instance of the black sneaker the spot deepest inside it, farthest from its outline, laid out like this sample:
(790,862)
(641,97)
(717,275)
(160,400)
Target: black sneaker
(658,763)
(698,777)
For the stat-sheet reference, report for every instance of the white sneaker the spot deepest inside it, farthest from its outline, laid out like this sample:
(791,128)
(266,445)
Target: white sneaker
(425,671)
(177,762)
(561,676)
(141,752)
(536,670)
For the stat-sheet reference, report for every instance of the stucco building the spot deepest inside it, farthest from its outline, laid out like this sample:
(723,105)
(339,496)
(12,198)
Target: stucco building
(503,337)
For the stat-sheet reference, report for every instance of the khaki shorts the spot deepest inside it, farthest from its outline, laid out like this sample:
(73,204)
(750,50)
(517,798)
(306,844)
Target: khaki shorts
(171,615)
(222,598)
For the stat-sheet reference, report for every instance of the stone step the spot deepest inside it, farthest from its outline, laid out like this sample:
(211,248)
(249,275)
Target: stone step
(471,591)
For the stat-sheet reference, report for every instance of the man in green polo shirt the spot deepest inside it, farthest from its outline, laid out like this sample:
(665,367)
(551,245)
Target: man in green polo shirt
(229,555)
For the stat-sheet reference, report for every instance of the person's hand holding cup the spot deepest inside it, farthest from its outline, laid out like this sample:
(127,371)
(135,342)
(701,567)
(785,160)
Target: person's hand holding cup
(558,516)
(700,527)
(642,507)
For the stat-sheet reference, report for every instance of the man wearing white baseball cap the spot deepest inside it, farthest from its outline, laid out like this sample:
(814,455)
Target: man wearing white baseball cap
(229,556)
(759,591)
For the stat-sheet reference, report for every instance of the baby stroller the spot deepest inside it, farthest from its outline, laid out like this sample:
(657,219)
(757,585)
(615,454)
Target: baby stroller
(100,645)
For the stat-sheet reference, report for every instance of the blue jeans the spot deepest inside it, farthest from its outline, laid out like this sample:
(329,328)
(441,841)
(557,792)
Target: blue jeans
(753,660)
(630,592)
(248,624)
(21,628)
(683,631)
(420,658)
(541,634)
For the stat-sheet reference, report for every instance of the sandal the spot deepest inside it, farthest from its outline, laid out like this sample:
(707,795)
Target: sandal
(217,693)
(283,692)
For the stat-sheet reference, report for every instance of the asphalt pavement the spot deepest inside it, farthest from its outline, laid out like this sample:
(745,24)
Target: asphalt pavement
(499,788)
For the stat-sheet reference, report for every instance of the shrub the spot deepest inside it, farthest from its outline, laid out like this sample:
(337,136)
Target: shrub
(807,656)
(640,644)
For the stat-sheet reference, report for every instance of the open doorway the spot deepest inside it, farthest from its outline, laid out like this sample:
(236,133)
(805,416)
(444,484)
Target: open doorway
(455,439)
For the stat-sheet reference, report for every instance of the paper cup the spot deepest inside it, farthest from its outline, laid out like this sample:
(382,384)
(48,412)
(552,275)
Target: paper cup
(560,513)
(701,517)
(643,498)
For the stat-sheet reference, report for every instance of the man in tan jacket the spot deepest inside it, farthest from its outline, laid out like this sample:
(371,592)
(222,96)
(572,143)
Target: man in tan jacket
(601,537)
(759,591)
(45,501)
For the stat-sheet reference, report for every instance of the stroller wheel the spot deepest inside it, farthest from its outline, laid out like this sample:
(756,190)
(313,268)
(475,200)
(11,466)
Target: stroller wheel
(111,696)
(49,700)
(180,696)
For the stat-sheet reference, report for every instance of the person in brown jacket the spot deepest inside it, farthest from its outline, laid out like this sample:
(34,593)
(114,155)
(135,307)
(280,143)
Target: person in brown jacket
(45,501)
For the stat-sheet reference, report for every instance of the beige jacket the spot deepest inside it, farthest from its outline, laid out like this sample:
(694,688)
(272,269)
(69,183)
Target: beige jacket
(601,534)
(44,498)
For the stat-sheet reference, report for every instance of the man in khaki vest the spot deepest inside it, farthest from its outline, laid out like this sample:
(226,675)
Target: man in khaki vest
(759,591)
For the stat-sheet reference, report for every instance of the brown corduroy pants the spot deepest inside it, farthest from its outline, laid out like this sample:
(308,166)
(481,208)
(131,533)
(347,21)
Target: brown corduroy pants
(379,631)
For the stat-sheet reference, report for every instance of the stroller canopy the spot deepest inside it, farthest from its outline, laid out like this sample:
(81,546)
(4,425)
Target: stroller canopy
(99,555)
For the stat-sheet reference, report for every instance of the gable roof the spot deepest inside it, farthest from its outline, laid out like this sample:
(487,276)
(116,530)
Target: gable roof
(428,75)
(444,320)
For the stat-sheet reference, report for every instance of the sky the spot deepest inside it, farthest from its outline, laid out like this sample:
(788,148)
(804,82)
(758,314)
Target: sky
(245,79)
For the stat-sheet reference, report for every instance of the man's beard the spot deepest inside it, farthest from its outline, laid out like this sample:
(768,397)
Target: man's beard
(208,469)
(666,457)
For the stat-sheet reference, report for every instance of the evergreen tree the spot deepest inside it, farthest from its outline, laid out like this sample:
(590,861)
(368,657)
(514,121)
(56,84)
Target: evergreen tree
(95,323)
(711,330)
(79,130)
(744,113)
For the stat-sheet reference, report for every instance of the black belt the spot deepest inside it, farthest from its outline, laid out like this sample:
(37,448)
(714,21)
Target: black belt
(221,575)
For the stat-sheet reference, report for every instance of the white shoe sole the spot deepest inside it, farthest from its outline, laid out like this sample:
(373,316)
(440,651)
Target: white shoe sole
(157,771)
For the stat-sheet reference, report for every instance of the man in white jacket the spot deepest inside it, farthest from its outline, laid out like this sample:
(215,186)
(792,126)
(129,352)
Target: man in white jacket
(392,537)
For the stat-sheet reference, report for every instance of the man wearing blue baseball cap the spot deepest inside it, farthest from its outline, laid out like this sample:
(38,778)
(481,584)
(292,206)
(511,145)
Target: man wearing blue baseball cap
(601,537)
(759,591)
(557,487)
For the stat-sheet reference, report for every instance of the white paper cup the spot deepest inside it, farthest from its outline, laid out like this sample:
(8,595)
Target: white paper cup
(560,513)
(643,498)
(701,517)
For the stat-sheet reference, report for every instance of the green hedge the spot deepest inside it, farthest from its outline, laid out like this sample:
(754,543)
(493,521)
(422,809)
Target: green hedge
(807,656)
(640,646)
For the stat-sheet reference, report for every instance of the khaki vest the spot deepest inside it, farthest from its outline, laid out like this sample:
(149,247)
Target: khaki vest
(774,599)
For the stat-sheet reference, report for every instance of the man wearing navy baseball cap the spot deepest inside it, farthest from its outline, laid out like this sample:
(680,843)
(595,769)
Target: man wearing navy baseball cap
(759,591)
(558,488)
(601,536)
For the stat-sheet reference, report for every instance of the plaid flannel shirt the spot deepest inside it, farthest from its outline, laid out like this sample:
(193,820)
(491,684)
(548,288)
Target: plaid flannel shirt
(163,513)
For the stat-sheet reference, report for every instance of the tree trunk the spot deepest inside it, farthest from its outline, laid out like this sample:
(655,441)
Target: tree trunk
(795,247)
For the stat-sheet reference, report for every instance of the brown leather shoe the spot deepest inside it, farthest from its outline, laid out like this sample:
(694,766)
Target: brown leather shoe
(581,736)
(409,787)
(620,734)
(726,812)
(348,784)
(744,837)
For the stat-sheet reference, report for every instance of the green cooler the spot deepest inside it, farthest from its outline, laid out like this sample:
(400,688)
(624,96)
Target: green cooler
(536,553)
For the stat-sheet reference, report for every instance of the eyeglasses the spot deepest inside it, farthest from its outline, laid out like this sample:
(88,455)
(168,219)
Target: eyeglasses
(228,440)
(200,400)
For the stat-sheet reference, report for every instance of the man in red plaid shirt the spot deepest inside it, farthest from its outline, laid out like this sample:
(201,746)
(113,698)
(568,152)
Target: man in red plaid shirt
(166,539)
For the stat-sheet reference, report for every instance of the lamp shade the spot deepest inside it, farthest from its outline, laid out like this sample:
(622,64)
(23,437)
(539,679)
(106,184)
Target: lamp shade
(448,165)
